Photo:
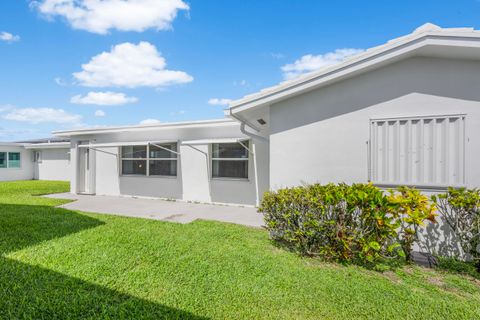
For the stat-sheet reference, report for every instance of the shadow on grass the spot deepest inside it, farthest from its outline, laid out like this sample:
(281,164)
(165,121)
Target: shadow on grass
(32,292)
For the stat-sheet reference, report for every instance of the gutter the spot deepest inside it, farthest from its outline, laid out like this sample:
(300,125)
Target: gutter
(244,123)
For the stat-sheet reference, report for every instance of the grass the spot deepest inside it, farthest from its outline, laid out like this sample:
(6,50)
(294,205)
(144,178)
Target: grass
(61,264)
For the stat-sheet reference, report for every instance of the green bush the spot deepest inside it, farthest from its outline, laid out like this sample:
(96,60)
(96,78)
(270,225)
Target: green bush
(346,223)
(461,210)
(412,209)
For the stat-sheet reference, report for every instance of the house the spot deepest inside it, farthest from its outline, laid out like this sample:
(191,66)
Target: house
(406,112)
(41,159)
(206,161)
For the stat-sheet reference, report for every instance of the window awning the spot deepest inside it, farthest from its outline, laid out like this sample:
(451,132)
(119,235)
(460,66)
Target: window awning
(216,140)
(124,144)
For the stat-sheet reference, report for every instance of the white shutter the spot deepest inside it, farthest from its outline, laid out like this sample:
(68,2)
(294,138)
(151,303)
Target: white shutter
(426,151)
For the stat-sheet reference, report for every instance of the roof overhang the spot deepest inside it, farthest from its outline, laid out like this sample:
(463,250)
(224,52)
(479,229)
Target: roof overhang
(11,144)
(59,145)
(140,128)
(445,43)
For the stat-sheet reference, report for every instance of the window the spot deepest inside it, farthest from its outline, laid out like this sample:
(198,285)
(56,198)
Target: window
(14,159)
(3,159)
(134,160)
(229,160)
(10,160)
(151,160)
(163,162)
(418,151)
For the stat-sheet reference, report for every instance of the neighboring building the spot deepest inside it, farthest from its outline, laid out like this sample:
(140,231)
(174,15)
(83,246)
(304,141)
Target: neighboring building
(43,159)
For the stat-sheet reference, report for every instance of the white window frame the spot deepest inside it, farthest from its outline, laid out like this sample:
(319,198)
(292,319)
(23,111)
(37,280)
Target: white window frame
(7,159)
(246,145)
(147,159)
(20,160)
(372,159)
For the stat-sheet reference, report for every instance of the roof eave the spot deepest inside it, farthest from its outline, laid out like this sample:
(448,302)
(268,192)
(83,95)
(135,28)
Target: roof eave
(394,49)
(173,125)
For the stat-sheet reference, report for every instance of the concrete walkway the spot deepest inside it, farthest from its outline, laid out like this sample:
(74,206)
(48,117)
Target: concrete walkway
(173,211)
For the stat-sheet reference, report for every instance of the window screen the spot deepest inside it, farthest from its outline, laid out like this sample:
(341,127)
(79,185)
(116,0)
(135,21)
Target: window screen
(229,160)
(151,160)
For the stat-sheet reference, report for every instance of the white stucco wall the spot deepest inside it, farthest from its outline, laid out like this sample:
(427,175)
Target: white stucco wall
(54,165)
(322,136)
(193,181)
(25,172)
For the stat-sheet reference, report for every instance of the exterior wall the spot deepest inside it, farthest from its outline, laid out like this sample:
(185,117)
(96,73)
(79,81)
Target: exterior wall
(193,181)
(25,172)
(322,136)
(54,165)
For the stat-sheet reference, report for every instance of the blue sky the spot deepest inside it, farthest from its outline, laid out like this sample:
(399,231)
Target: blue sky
(52,77)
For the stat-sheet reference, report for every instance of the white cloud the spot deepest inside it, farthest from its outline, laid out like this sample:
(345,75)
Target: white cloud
(8,37)
(42,115)
(311,62)
(100,113)
(150,121)
(6,107)
(219,102)
(103,99)
(130,65)
(100,16)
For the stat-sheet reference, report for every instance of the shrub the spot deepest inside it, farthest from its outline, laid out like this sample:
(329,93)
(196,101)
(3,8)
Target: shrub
(461,210)
(412,209)
(344,223)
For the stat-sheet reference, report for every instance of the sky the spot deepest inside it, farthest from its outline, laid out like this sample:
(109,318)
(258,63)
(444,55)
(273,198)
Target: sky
(67,64)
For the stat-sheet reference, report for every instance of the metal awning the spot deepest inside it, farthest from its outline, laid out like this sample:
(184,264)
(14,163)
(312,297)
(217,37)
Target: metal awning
(216,140)
(124,144)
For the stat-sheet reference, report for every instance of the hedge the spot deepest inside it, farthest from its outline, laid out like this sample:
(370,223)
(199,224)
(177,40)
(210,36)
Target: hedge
(356,223)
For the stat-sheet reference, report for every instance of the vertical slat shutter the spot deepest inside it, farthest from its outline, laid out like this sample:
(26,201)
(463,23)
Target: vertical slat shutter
(423,151)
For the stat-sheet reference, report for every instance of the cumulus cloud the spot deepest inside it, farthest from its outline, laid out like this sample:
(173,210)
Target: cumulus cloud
(311,62)
(100,113)
(130,65)
(8,37)
(219,102)
(41,115)
(103,99)
(150,121)
(100,16)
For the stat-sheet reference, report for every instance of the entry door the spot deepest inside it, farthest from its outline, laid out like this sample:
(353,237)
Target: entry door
(85,171)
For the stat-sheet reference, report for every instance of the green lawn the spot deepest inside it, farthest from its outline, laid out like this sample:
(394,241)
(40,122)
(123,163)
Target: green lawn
(60,264)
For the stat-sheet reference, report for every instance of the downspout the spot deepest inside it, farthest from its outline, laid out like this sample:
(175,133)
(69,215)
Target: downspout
(243,123)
